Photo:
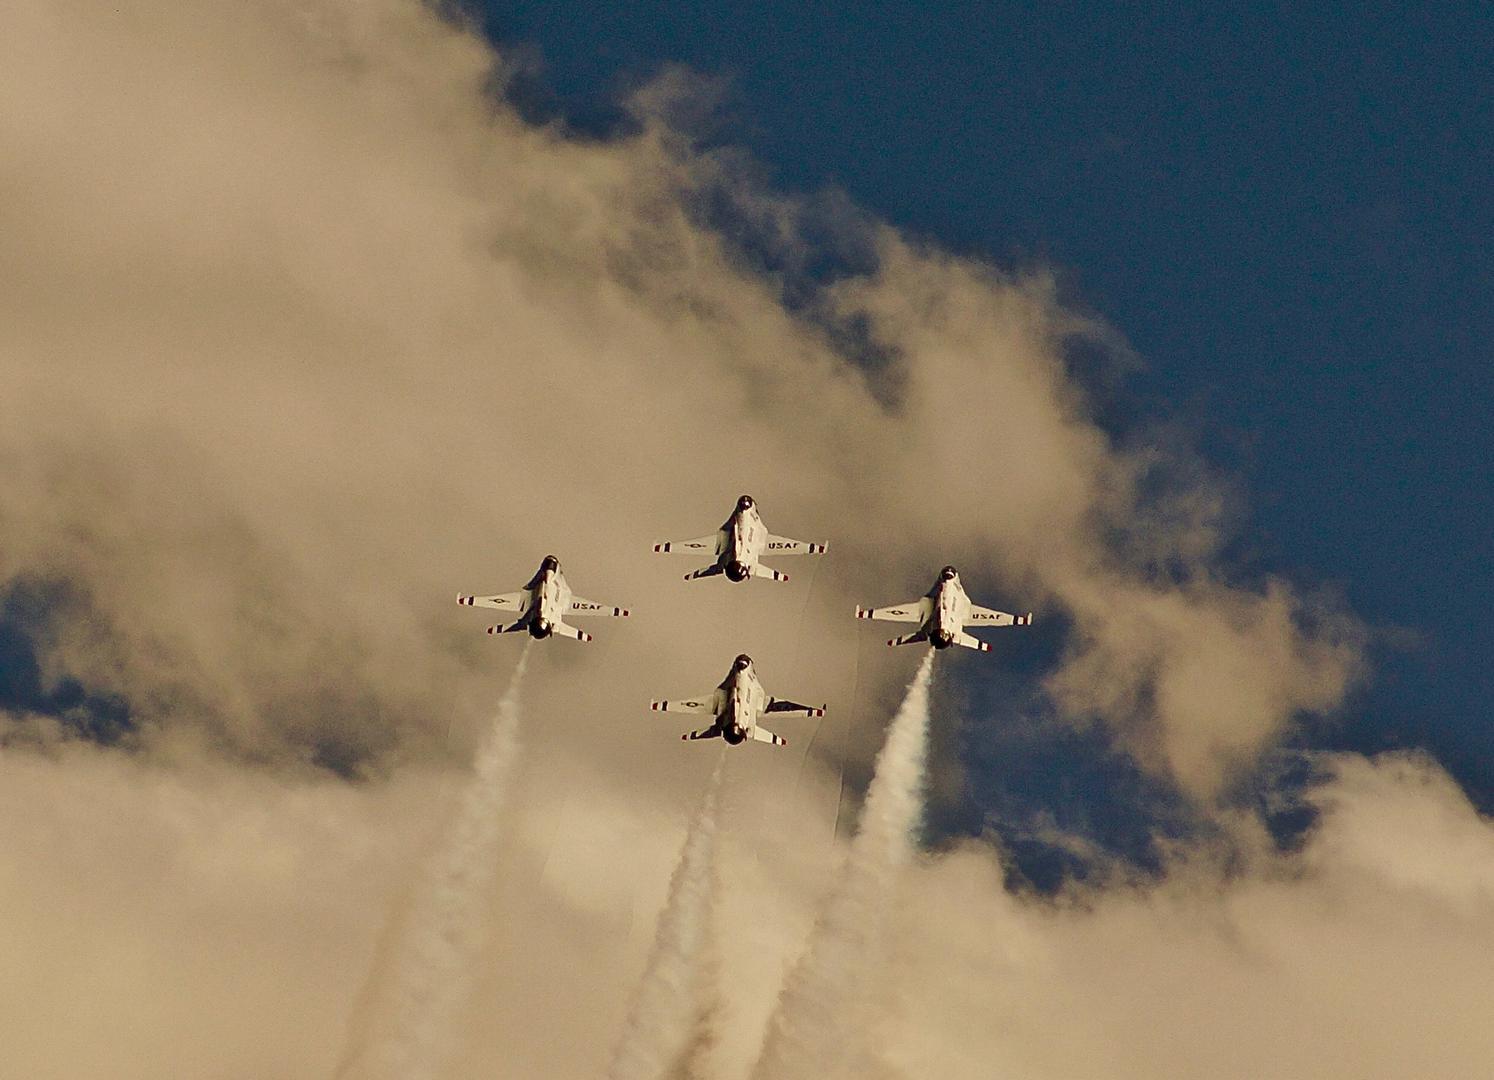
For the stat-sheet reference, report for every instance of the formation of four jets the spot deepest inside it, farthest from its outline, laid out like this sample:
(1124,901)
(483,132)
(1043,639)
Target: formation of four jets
(737,549)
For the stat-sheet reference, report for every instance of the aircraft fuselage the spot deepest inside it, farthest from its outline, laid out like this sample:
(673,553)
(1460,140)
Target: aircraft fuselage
(951,608)
(551,597)
(745,701)
(745,537)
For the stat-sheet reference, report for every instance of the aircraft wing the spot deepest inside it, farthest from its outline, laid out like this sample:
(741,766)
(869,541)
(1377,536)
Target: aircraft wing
(984,616)
(792,708)
(512,601)
(914,611)
(581,606)
(704,705)
(782,545)
(701,545)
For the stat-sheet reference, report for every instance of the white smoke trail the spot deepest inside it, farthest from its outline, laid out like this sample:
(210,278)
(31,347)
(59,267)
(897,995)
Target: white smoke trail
(826,1001)
(666,1031)
(420,988)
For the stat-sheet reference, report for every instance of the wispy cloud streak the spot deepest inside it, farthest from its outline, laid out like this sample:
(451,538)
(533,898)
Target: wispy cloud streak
(675,997)
(826,1001)
(416,994)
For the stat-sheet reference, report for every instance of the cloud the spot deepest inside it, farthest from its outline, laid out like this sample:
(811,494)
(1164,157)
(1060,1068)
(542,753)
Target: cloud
(303,329)
(1360,958)
(301,324)
(192,922)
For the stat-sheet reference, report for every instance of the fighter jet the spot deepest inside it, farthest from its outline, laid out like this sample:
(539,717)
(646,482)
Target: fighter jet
(737,704)
(542,605)
(739,544)
(943,614)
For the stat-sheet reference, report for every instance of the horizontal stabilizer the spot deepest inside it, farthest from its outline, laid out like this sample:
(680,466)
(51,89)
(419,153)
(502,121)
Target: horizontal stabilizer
(970,641)
(511,628)
(909,639)
(793,708)
(704,733)
(705,571)
(761,571)
(762,734)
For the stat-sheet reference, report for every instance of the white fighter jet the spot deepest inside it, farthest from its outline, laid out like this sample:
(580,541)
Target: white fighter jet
(738,546)
(943,614)
(541,606)
(737,704)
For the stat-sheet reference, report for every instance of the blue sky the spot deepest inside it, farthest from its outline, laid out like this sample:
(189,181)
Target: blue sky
(1285,210)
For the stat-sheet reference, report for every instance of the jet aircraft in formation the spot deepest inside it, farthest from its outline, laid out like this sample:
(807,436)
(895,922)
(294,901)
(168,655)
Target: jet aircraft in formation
(737,705)
(739,546)
(543,604)
(942,615)
(737,549)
